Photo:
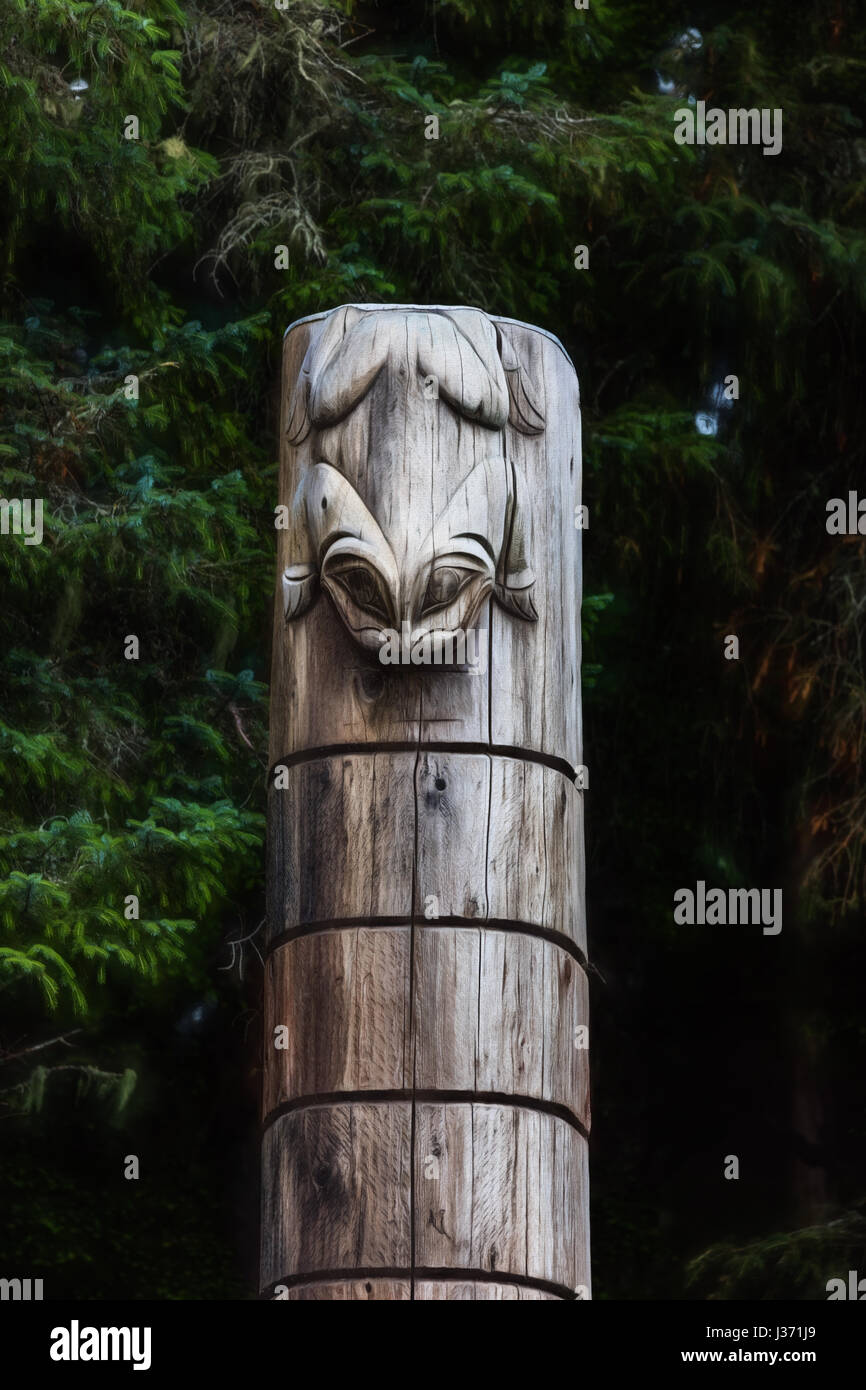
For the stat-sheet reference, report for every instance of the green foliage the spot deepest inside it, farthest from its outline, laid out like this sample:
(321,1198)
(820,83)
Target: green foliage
(67,156)
(790,1264)
(592,607)
(151,528)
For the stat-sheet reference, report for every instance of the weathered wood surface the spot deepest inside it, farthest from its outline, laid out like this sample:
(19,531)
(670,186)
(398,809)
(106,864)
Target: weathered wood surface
(468,1292)
(349,1290)
(352,1032)
(496,1012)
(336,1190)
(489,1188)
(492,838)
(510,1184)
(535,691)
(425,1129)
(399,1290)
(493,1012)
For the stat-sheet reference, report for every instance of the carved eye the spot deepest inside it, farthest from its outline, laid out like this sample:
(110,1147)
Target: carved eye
(363,589)
(444,585)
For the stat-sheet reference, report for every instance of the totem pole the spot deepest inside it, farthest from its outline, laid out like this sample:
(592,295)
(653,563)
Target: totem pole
(426,1080)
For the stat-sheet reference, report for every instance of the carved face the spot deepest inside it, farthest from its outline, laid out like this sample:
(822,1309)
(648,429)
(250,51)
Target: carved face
(479,543)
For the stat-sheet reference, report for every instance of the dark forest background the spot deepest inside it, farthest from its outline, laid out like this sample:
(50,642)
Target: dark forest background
(155,258)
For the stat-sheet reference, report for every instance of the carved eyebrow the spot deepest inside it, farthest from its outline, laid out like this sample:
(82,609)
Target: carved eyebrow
(479,540)
(331,538)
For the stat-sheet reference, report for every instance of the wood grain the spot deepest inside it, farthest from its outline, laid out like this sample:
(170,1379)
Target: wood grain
(333,850)
(496,838)
(495,1190)
(535,858)
(494,1012)
(535,671)
(425,1290)
(349,1290)
(430,1290)
(344,997)
(336,1190)
(510,1185)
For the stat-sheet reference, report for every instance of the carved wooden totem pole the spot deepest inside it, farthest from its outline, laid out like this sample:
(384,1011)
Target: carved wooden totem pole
(426,1085)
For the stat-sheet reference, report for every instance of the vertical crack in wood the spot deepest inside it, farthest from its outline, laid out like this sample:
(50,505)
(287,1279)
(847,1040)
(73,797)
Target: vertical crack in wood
(412,1044)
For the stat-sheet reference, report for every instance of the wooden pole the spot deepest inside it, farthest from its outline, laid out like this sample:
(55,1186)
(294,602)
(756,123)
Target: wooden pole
(426,1085)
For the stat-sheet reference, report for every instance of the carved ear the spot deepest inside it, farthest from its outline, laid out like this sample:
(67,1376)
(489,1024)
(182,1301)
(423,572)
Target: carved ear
(300,587)
(523,412)
(515,578)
